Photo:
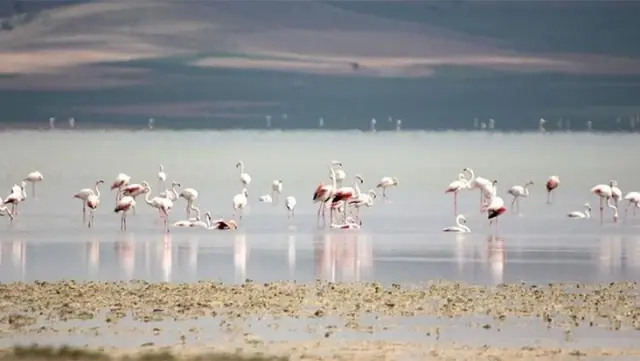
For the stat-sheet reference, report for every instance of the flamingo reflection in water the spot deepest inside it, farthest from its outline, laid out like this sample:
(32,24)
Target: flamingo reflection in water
(240,257)
(189,255)
(165,251)
(126,254)
(19,257)
(92,256)
(350,253)
(496,258)
(291,255)
(610,255)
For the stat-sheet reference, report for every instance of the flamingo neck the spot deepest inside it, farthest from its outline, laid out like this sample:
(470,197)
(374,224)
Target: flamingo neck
(98,190)
(472,175)
(333,176)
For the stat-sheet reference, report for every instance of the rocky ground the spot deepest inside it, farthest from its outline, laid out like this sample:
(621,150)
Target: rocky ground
(329,314)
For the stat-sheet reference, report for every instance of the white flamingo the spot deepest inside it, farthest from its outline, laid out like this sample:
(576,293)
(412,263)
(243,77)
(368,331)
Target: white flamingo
(340,175)
(455,187)
(616,193)
(615,210)
(581,215)
(265,199)
(240,202)
(519,192)
(190,195)
(162,177)
(276,189)
(92,202)
(363,200)
(632,198)
(604,192)
(460,226)
(5,211)
(84,194)
(123,206)
(386,183)
(483,184)
(17,196)
(194,223)
(33,178)
(171,193)
(162,204)
(324,193)
(290,204)
(245,178)
(121,181)
(552,183)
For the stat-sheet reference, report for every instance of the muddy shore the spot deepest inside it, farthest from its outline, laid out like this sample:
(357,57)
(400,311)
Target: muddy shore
(97,309)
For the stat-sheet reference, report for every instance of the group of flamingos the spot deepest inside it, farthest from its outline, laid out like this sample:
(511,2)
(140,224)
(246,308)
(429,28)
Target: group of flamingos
(493,204)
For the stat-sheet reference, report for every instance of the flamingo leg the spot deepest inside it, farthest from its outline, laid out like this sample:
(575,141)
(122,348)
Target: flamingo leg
(513,202)
(601,210)
(33,189)
(384,192)
(626,209)
(455,203)
(84,212)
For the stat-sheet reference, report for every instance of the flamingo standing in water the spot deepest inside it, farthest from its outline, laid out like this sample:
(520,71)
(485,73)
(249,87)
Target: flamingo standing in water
(632,198)
(33,178)
(346,194)
(171,193)
(604,192)
(134,190)
(17,196)
(495,209)
(276,189)
(162,177)
(340,175)
(190,195)
(387,182)
(519,192)
(84,194)
(615,210)
(93,201)
(461,225)
(5,211)
(245,178)
(240,201)
(121,181)
(365,199)
(290,204)
(162,204)
(455,187)
(552,183)
(616,193)
(483,184)
(123,206)
(581,215)
(325,192)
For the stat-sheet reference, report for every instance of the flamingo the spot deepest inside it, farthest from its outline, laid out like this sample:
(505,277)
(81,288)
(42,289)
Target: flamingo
(387,182)
(265,199)
(245,178)
(616,193)
(365,199)
(581,215)
(93,201)
(240,202)
(290,204)
(349,223)
(478,183)
(34,177)
(162,176)
(455,187)
(5,211)
(134,190)
(223,225)
(163,205)
(340,175)
(83,195)
(17,196)
(460,226)
(519,192)
(495,209)
(604,192)
(194,223)
(121,181)
(632,197)
(615,210)
(276,189)
(171,193)
(346,194)
(190,195)
(552,183)
(123,206)
(325,192)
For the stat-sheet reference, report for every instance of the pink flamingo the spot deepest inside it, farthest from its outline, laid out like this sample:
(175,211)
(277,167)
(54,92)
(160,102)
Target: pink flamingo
(325,192)
(84,194)
(495,209)
(346,194)
(121,181)
(134,190)
(93,201)
(552,183)
(123,206)
(604,192)
(455,187)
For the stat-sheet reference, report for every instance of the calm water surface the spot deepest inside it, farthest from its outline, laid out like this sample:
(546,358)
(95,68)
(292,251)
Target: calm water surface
(401,240)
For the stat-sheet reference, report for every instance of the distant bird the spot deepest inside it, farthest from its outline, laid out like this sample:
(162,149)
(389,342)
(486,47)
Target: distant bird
(581,215)
(290,204)
(34,177)
(121,181)
(276,189)
(552,183)
(386,183)
(460,226)
(519,192)
(245,178)
(455,187)
(162,177)
(123,206)
(240,202)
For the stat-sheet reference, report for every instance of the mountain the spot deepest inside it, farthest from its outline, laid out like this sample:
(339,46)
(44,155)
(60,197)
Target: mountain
(228,64)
